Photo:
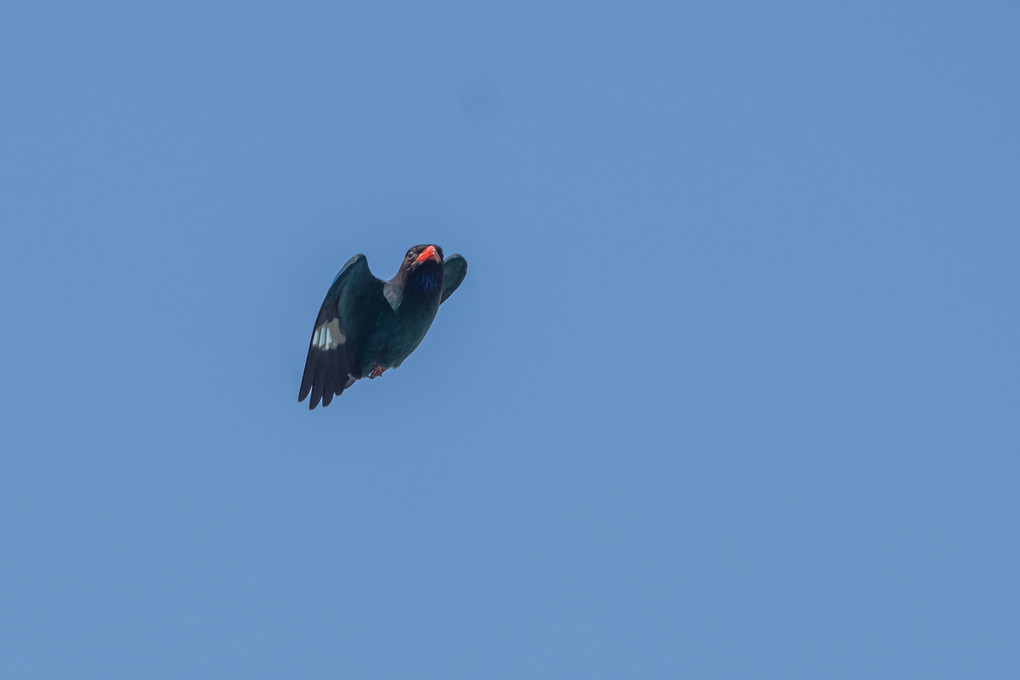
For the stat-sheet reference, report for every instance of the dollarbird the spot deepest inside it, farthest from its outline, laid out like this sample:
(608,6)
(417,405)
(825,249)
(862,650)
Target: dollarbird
(366,326)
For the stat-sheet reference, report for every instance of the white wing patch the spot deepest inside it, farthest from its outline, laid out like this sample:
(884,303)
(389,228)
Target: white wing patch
(328,336)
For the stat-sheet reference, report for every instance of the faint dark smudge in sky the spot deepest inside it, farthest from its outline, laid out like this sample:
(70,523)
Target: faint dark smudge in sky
(480,103)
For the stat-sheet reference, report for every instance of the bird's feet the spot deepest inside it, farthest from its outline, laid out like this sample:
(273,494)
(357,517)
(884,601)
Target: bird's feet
(377,371)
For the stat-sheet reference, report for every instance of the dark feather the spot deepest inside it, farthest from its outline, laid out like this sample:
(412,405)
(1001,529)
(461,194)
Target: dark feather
(352,302)
(364,323)
(454,271)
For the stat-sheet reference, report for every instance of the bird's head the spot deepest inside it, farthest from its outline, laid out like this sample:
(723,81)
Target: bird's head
(423,269)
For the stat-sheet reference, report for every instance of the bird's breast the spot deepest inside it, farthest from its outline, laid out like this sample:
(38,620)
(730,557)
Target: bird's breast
(397,335)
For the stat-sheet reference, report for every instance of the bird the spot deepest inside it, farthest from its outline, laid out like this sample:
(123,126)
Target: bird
(366,326)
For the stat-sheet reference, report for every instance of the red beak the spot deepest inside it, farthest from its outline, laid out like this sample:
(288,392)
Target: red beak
(429,252)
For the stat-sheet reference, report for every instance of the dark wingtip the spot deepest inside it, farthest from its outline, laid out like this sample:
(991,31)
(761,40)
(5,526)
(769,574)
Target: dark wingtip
(307,377)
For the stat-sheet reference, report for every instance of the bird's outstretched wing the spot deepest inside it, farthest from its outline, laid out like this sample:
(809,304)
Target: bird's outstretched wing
(454,270)
(347,316)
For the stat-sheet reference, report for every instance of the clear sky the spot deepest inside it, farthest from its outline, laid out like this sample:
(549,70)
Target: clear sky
(731,389)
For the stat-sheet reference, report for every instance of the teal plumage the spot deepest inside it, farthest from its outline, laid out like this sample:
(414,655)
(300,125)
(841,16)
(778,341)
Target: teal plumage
(366,326)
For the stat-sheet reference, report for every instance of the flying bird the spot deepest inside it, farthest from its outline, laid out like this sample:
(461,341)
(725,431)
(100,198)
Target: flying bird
(366,326)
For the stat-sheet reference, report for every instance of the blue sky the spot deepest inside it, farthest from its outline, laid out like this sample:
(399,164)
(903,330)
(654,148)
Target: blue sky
(730,390)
